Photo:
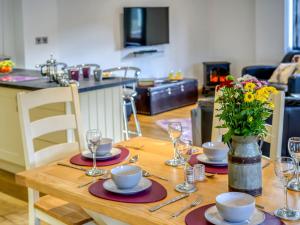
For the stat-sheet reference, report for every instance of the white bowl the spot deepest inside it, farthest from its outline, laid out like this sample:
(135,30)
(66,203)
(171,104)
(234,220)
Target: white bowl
(215,151)
(104,147)
(126,176)
(235,206)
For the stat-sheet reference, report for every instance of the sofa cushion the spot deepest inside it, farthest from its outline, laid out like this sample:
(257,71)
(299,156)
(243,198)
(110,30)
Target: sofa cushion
(283,72)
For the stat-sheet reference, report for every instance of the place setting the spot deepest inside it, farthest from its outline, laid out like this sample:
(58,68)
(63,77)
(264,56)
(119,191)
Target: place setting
(214,157)
(100,152)
(128,184)
(231,208)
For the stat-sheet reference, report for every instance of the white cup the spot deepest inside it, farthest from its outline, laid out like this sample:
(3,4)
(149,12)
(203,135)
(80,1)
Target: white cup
(235,206)
(127,176)
(215,151)
(105,147)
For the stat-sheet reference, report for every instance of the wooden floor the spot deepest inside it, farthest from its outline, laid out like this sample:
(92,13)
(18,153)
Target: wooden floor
(13,208)
(150,129)
(12,211)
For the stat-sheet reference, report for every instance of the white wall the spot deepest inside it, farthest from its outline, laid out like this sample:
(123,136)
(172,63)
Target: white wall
(269,24)
(91,31)
(243,32)
(39,19)
(7,37)
(231,34)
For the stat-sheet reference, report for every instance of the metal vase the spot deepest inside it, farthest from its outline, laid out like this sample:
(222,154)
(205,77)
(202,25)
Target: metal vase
(244,165)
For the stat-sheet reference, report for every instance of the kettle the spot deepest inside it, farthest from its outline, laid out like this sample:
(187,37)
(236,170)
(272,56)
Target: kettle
(50,68)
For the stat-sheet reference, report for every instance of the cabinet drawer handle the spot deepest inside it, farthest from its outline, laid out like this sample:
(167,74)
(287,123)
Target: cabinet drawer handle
(169,91)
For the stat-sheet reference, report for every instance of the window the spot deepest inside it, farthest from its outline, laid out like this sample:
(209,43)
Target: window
(296,24)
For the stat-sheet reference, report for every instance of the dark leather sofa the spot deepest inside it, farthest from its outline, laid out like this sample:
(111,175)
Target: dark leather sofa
(291,123)
(201,125)
(264,72)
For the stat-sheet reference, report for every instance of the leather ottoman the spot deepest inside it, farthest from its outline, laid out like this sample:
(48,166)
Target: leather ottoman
(166,96)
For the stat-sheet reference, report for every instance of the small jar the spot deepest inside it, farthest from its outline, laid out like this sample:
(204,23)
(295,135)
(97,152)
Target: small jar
(86,70)
(74,74)
(199,172)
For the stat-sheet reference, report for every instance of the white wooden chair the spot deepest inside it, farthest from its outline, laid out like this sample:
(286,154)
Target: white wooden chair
(47,208)
(274,135)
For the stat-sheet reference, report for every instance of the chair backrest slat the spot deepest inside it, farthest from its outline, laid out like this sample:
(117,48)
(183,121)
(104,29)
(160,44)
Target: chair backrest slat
(46,96)
(55,153)
(52,124)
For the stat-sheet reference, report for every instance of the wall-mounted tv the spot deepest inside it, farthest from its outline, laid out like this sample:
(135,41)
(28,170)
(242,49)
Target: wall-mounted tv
(145,26)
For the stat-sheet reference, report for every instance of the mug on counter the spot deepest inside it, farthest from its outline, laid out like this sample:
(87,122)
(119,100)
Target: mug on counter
(74,73)
(98,74)
(86,70)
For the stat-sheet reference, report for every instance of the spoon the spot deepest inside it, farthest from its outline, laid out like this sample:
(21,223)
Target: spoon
(147,174)
(133,159)
(104,177)
(131,146)
(209,175)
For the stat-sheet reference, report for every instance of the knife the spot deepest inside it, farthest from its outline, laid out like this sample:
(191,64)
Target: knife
(70,166)
(177,198)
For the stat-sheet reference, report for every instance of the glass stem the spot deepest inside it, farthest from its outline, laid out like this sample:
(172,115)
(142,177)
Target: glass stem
(186,182)
(174,149)
(94,160)
(285,198)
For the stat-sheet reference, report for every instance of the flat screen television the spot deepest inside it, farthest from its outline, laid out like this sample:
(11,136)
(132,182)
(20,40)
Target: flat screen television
(145,26)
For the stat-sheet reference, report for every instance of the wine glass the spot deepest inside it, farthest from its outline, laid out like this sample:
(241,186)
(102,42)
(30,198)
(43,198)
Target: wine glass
(185,150)
(294,150)
(93,138)
(285,168)
(175,131)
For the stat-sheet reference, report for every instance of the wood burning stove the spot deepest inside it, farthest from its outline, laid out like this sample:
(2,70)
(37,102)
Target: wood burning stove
(214,73)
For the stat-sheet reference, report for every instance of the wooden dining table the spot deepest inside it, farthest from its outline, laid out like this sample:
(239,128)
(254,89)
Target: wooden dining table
(62,182)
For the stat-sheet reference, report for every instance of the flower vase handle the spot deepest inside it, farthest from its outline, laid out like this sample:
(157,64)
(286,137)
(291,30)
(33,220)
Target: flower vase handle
(229,145)
(261,143)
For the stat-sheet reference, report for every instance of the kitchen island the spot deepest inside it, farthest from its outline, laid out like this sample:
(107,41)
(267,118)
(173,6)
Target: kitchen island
(100,105)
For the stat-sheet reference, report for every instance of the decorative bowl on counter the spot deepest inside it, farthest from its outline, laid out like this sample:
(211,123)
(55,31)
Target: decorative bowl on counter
(6,66)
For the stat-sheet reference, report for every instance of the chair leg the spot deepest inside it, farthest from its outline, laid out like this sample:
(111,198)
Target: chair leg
(32,197)
(125,131)
(137,123)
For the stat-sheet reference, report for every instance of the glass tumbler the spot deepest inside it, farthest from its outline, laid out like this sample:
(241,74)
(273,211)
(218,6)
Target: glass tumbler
(199,172)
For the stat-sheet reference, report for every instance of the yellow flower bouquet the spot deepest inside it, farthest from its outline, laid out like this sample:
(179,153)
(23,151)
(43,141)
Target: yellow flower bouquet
(245,105)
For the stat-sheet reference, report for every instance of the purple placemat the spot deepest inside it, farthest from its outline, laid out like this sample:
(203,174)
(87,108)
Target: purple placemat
(155,193)
(9,78)
(196,217)
(209,168)
(79,160)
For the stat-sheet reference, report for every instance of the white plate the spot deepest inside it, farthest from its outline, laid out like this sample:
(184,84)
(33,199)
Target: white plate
(212,215)
(143,185)
(202,158)
(113,153)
